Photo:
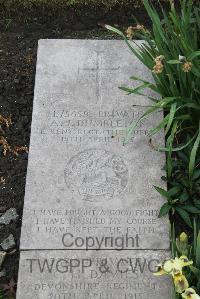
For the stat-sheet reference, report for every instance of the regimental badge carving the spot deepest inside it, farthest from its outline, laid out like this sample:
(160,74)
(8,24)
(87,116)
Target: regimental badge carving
(96,175)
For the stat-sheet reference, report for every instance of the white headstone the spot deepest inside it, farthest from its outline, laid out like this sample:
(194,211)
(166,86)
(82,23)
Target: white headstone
(85,189)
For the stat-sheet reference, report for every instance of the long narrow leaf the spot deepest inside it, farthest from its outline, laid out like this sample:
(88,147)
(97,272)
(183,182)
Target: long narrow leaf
(120,33)
(171,117)
(198,251)
(194,55)
(179,148)
(193,154)
(161,104)
(137,89)
(159,127)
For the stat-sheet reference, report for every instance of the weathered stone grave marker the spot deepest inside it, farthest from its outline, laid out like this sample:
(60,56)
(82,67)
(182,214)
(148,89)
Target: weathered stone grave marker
(90,225)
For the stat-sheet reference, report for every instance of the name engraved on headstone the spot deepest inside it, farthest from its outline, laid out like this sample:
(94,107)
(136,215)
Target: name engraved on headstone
(93,125)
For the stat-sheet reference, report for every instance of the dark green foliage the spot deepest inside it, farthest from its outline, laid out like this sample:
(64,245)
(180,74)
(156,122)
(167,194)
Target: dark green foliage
(176,40)
(183,195)
(172,53)
(1,294)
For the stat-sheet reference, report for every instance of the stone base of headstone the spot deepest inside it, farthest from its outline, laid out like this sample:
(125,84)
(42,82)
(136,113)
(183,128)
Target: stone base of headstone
(85,275)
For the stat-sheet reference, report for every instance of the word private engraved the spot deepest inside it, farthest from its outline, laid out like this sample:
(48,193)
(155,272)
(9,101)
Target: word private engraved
(96,175)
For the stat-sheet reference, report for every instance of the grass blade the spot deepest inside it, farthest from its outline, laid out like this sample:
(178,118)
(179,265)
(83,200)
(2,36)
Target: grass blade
(193,154)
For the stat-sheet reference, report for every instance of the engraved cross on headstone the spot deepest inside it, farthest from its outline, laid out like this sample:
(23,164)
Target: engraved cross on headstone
(97,70)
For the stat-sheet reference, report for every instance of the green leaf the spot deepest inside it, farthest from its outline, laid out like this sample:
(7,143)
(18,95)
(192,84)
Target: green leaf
(184,215)
(191,209)
(195,271)
(173,239)
(164,210)
(197,204)
(130,129)
(195,236)
(162,192)
(173,191)
(171,117)
(115,30)
(169,144)
(190,105)
(174,62)
(198,286)
(120,33)
(159,105)
(194,55)
(156,21)
(151,86)
(179,148)
(2,294)
(184,196)
(198,251)
(159,127)
(135,90)
(193,154)
(196,174)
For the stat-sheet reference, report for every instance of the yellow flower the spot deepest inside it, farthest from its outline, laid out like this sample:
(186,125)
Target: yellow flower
(190,294)
(160,270)
(176,265)
(182,243)
(183,238)
(185,261)
(180,282)
(187,66)
(173,266)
